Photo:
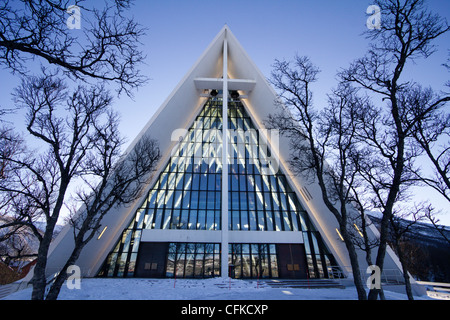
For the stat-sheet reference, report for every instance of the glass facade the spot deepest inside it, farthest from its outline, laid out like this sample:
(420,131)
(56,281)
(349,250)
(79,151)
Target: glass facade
(187,195)
(253,260)
(193,260)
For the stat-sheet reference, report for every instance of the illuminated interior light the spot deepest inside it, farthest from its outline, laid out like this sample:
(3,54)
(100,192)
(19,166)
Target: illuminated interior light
(340,236)
(357,229)
(101,233)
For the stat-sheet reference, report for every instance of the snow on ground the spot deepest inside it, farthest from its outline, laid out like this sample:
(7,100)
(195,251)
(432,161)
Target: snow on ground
(193,289)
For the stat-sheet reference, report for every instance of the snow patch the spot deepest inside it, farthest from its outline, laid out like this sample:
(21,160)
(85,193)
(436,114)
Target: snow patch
(195,289)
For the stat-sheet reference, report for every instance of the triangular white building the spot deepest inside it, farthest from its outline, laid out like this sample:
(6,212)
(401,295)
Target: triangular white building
(197,217)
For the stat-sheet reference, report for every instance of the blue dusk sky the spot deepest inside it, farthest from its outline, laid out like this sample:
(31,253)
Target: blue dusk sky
(329,32)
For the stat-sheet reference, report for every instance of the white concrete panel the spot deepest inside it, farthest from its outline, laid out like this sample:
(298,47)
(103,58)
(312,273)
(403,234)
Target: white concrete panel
(210,236)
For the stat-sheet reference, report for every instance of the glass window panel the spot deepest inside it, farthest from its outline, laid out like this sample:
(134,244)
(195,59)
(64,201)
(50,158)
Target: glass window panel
(261,224)
(112,264)
(250,183)
(167,217)
(152,199)
(190,247)
(161,198)
(283,201)
(286,221)
(199,247)
(251,201)
(140,218)
(282,183)
(306,242)
(234,200)
(243,200)
(319,266)
(274,266)
(210,200)
(267,200)
(158,218)
(218,181)
(269,221)
(235,248)
(201,220)
(258,183)
(169,199)
(199,265)
(234,182)
(212,181)
(203,182)
(309,261)
(132,265)
(218,221)
(178,198)
(235,223)
(170,267)
(265,183)
(184,219)
(253,220)
(259,201)
(175,219)
(192,220)
(209,265)
(218,202)
(195,181)
(273,183)
(148,223)
(246,266)
(275,202)
(187,181)
(244,220)
(121,264)
(302,220)
(202,200)
(171,181)
(189,266)
(136,240)
(194,200)
(179,181)
(210,220)
(186,199)
(163,180)
(189,167)
(172,247)
(315,244)
(243,182)
(294,221)
(237,265)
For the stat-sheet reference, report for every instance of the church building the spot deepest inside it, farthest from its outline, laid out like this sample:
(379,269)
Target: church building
(223,200)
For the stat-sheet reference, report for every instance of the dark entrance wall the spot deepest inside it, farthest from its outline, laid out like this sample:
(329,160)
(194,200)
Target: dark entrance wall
(292,261)
(151,262)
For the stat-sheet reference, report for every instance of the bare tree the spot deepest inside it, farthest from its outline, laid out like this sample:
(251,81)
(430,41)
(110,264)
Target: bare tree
(105,48)
(79,136)
(406,34)
(112,181)
(431,216)
(400,226)
(432,134)
(323,145)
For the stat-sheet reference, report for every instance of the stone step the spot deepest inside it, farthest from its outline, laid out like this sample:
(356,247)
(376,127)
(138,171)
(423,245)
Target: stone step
(304,283)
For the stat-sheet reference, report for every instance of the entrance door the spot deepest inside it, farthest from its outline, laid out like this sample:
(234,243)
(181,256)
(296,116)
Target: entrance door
(151,261)
(292,261)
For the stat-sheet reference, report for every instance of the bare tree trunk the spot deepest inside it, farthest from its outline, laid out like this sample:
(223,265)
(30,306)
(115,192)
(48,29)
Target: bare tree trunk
(357,279)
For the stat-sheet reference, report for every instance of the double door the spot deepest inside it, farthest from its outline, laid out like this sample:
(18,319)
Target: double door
(292,261)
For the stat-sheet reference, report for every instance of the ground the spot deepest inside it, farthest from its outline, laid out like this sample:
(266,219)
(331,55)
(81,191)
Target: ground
(193,289)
